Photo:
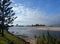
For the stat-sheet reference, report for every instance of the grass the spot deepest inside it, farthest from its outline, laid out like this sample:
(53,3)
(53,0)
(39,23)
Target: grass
(8,37)
(3,40)
(48,39)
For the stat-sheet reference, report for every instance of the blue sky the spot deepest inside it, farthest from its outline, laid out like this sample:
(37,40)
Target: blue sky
(36,12)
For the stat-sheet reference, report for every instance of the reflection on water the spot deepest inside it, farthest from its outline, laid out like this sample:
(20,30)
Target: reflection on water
(29,31)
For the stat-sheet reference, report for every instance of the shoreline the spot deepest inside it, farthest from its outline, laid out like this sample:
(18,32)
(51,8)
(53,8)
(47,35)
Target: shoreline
(28,39)
(33,40)
(45,28)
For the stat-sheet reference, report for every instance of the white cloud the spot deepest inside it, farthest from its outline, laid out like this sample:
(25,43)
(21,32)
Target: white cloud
(32,16)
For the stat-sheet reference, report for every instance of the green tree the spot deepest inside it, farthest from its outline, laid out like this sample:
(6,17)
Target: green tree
(6,14)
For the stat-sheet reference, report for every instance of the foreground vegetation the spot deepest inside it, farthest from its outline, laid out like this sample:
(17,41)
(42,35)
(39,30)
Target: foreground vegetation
(10,39)
(48,39)
(44,39)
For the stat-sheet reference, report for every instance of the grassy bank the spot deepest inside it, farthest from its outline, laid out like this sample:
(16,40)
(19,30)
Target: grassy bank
(3,40)
(10,38)
(48,39)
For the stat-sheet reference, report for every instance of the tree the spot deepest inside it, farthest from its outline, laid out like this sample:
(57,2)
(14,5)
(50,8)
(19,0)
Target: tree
(6,14)
(37,24)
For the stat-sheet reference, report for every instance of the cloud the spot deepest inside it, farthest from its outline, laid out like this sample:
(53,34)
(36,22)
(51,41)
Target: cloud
(32,16)
(28,14)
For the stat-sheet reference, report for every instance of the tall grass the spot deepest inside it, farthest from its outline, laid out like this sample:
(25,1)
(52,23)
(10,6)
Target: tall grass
(48,39)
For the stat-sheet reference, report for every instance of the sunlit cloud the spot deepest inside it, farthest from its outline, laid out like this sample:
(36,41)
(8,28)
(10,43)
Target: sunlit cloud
(28,15)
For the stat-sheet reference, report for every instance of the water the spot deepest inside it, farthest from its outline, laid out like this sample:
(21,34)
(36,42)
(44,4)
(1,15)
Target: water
(31,32)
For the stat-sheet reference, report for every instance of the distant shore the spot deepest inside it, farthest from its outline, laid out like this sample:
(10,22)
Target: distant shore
(47,28)
(43,28)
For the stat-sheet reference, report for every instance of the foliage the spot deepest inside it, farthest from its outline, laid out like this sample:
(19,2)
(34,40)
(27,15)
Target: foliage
(6,14)
(48,39)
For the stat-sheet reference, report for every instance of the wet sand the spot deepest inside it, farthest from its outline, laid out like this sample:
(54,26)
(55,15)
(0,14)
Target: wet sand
(28,39)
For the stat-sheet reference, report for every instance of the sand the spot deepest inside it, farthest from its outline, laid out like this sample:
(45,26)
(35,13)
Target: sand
(47,28)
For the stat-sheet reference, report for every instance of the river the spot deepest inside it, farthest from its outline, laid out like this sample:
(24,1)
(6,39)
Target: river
(31,32)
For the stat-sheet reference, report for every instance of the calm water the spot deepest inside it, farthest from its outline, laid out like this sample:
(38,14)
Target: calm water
(27,31)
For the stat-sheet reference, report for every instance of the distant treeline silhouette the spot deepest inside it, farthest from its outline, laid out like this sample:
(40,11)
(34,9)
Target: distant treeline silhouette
(39,25)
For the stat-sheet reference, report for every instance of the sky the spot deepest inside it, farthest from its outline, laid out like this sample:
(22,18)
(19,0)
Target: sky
(36,12)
